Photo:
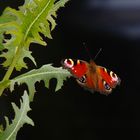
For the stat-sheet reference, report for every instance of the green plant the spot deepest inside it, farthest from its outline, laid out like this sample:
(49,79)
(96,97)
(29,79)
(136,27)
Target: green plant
(25,26)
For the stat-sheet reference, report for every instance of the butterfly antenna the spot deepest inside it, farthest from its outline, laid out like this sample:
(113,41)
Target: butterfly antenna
(87,50)
(97,53)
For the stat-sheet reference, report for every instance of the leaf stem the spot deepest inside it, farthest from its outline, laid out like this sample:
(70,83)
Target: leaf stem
(10,69)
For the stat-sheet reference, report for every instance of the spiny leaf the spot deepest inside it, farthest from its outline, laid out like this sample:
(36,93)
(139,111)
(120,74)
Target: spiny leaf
(52,12)
(44,73)
(20,119)
(24,26)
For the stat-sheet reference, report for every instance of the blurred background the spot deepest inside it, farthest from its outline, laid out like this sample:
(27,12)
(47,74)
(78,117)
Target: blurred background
(74,113)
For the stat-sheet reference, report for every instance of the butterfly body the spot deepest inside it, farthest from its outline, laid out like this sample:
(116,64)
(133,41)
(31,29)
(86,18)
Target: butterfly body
(91,76)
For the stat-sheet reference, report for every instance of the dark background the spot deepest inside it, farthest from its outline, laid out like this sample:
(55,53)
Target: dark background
(73,113)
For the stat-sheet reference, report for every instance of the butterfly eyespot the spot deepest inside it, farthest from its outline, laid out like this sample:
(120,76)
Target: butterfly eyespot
(113,75)
(69,63)
(82,79)
(106,86)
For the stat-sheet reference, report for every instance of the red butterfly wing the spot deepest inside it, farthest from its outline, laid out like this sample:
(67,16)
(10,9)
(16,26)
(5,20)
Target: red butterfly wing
(107,80)
(110,77)
(83,72)
(78,68)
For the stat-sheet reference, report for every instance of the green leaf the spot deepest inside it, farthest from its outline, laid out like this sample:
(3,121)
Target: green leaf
(24,26)
(52,12)
(1,40)
(44,73)
(20,119)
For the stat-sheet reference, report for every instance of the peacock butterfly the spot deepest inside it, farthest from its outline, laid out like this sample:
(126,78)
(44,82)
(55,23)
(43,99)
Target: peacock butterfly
(91,76)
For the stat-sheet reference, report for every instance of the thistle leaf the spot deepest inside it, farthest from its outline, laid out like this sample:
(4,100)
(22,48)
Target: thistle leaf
(24,26)
(52,12)
(44,73)
(20,119)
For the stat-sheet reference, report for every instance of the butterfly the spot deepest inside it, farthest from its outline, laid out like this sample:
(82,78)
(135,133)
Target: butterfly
(91,76)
